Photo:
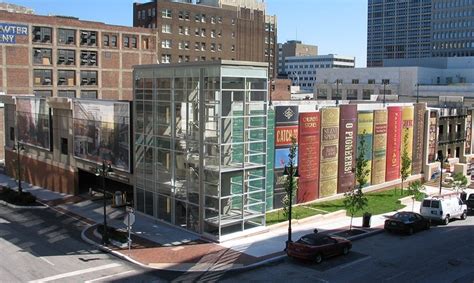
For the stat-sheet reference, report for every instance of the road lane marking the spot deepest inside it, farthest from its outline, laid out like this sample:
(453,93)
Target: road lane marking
(4,221)
(449,230)
(74,273)
(354,262)
(44,259)
(109,276)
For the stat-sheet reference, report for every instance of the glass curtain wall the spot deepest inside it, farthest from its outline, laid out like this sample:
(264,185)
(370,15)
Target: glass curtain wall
(199,151)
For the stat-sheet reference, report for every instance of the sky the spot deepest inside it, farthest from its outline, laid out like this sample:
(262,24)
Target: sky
(335,26)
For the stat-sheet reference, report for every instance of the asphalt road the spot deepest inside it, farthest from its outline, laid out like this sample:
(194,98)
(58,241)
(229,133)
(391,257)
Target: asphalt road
(46,246)
(441,254)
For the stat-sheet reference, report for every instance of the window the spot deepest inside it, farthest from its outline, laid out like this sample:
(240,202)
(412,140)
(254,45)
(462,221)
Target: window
(88,37)
(166,13)
(42,34)
(66,36)
(88,77)
(233,21)
(64,146)
(92,94)
(213,33)
(145,43)
(371,81)
(203,32)
(385,81)
(166,58)
(41,56)
(105,40)
(89,58)
(219,47)
(355,81)
(232,48)
(66,57)
(166,43)
(66,77)
(133,42)
(42,93)
(213,47)
(213,20)
(113,41)
(166,28)
(203,46)
(126,42)
(67,93)
(42,77)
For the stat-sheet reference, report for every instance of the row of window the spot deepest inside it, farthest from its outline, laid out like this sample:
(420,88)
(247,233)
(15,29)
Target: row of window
(43,56)
(198,46)
(453,45)
(89,94)
(356,81)
(458,34)
(166,58)
(182,15)
(65,77)
(453,14)
(87,38)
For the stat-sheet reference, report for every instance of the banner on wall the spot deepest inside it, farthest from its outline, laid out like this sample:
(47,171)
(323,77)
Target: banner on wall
(347,147)
(393,143)
(380,147)
(365,130)
(329,151)
(33,121)
(418,138)
(102,132)
(308,154)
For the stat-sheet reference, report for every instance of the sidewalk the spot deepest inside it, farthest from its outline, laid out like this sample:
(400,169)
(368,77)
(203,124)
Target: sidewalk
(162,246)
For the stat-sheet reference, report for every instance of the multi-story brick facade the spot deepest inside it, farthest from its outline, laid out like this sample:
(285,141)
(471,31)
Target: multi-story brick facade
(210,31)
(64,56)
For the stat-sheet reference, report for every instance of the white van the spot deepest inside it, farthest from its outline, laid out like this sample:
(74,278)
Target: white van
(443,208)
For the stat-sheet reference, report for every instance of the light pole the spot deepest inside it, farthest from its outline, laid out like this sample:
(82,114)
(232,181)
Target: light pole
(337,91)
(103,171)
(441,160)
(384,82)
(18,147)
(417,92)
(290,173)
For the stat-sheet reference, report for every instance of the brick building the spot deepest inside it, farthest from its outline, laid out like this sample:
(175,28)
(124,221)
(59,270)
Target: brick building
(66,57)
(210,30)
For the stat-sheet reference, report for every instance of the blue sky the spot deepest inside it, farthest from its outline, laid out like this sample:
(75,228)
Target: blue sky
(336,26)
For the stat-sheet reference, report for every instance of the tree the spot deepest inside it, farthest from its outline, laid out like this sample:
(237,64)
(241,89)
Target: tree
(291,185)
(405,169)
(355,200)
(459,181)
(414,189)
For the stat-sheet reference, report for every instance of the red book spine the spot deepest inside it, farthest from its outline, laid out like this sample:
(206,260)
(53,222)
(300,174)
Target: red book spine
(393,143)
(347,147)
(308,156)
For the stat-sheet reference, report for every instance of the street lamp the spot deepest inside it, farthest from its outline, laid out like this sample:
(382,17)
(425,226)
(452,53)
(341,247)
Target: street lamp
(441,160)
(103,171)
(417,92)
(290,172)
(385,83)
(19,147)
(337,91)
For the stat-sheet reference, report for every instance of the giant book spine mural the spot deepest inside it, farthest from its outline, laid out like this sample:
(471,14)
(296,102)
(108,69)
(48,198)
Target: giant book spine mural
(308,155)
(393,143)
(380,146)
(432,135)
(347,147)
(365,129)
(407,132)
(468,128)
(329,151)
(418,138)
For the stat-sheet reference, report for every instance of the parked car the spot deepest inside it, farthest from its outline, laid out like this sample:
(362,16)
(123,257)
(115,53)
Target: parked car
(467,196)
(443,208)
(317,246)
(408,222)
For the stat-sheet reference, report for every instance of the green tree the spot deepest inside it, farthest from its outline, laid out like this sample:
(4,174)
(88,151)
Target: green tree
(405,169)
(355,200)
(291,184)
(414,189)
(459,181)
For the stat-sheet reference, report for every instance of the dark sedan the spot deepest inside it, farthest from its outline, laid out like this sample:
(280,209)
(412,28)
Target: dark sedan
(408,222)
(316,247)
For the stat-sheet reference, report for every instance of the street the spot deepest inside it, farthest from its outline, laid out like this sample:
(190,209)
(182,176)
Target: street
(441,254)
(46,246)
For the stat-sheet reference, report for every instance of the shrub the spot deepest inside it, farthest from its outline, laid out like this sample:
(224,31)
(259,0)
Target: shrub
(17,198)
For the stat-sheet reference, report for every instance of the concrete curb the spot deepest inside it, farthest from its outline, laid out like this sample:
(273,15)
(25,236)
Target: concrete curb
(108,250)
(366,235)
(317,217)
(43,206)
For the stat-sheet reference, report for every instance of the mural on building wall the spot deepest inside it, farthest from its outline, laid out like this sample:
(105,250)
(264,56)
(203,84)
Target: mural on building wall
(308,154)
(393,143)
(432,136)
(418,136)
(407,131)
(365,124)
(102,132)
(380,147)
(467,148)
(347,147)
(33,121)
(329,151)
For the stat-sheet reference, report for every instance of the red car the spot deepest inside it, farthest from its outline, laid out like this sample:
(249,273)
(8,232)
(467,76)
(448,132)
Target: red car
(316,247)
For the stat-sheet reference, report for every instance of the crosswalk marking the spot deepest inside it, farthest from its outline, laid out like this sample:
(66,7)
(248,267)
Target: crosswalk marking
(77,272)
